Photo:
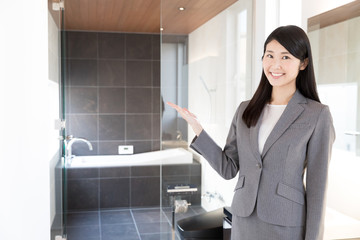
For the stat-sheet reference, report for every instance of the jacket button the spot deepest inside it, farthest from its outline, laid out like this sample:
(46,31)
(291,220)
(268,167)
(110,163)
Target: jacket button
(258,165)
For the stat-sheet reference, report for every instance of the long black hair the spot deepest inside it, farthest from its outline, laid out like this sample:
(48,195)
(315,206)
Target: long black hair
(295,40)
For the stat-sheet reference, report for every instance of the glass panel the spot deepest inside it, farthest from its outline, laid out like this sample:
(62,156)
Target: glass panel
(55,26)
(63,117)
(336,53)
(111,88)
(335,59)
(111,92)
(335,43)
(205,67)
(174,88)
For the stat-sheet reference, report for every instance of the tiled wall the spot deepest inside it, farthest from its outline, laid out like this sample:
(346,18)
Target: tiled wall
(136,186)
(113,91)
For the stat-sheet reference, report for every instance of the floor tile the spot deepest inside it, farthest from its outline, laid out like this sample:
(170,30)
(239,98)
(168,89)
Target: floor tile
(149,215)
(162,227)
(119,224)
(119,232)
(116,217)
(83,233)
(159,236)
(82,219)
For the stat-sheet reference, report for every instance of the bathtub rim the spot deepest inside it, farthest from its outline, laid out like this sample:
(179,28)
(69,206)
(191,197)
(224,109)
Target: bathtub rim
(184,157)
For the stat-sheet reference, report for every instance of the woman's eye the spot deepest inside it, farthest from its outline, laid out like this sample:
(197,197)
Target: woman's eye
(269,56)
(285,57)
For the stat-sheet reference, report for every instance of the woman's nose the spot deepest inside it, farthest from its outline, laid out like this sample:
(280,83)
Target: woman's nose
(276,64)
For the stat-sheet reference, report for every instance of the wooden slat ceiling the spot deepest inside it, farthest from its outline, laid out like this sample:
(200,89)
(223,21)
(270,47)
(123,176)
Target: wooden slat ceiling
(141,16)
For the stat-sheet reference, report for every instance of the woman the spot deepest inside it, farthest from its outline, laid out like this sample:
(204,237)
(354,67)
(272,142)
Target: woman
(277,136)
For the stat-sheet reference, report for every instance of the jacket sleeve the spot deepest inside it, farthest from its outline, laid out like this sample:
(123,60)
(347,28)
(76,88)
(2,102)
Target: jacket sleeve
(225,161)
(318,158)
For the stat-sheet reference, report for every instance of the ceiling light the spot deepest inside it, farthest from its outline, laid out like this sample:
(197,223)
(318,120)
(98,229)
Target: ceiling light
(181,8)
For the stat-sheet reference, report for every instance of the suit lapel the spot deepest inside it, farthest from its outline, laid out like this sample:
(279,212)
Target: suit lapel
(254,141)
(291,113)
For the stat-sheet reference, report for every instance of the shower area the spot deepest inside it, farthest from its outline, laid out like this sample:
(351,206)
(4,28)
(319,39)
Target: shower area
(123,148)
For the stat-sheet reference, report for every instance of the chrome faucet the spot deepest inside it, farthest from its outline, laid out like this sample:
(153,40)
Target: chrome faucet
(72,140)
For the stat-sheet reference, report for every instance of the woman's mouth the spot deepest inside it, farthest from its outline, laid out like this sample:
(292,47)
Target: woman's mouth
(276,75)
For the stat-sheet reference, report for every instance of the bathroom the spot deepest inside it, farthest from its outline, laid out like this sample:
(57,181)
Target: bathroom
(220,66)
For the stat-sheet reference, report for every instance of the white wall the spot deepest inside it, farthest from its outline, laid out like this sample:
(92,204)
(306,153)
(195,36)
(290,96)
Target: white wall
(259,36)
(26,123)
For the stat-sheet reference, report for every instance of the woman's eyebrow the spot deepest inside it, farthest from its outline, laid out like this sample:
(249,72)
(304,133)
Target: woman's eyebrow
(271,51)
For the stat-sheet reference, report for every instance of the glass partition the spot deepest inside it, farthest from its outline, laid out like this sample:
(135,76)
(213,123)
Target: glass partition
(56,73)
(205,63)
(336,57)
(63,107)
(119,71)
(206,55)
(111,93)
(334,36)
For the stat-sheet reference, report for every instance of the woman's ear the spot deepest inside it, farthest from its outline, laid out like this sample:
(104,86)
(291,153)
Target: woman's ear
(304,64)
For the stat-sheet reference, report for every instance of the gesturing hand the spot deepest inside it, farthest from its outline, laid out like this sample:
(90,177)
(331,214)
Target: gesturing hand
(189,117)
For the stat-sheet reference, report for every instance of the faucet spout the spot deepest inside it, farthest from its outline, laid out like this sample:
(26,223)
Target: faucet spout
(68,149)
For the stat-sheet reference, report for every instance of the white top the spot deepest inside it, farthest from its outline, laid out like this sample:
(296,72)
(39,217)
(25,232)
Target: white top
(271,115)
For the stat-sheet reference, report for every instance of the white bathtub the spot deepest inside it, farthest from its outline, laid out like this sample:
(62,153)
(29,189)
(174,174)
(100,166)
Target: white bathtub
(166,157)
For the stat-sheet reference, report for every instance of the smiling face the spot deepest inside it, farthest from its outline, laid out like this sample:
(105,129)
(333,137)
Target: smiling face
(280,67)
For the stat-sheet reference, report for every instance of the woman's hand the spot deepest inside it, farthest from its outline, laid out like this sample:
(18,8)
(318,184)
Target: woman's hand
(189,117)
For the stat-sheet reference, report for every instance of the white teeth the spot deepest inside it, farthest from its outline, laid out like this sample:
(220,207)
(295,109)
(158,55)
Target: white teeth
(277,74)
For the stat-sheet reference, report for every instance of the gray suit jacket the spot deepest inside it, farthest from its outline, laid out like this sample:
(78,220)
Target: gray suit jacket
(301,140)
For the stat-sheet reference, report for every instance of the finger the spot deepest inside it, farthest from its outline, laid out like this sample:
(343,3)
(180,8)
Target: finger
(189,113)
(170,103)
(185,113)
(176,107)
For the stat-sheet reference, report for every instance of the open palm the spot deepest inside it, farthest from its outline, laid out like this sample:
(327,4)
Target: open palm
(189,117)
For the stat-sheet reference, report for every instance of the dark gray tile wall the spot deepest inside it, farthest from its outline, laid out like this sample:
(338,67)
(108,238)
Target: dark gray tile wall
(124,187)
(113,91)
